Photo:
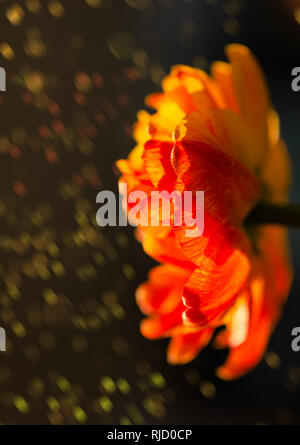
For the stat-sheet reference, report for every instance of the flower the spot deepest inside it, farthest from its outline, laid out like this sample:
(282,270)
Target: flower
(218,134)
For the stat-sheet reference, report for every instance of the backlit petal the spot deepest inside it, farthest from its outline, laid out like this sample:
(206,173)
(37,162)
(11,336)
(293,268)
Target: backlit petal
(252,95)
(212,289)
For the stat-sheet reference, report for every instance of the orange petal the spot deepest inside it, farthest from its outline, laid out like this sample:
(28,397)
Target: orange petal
(162,245)
(222,73)
(161,326)
(194,80)
(163,290)
(190,96)
(269,285)
(185,347)
(276,173)
(179,95)
(247,355)
(212,289)
(252,94)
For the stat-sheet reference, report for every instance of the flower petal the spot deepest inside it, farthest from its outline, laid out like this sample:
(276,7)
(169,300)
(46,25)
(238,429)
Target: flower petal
(194,80)
(162,245)
(252,94)
(157,159)
(212,288)
(185,347)
(245,356)
(276,173)
(222,129)
(231,190)
(161,326)
(269,286)
(222,73)
(162,292)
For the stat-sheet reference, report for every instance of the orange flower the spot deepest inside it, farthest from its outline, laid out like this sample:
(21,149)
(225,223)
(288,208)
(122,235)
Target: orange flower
(218,134)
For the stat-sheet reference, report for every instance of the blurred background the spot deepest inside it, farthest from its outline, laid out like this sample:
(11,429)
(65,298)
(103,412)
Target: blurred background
(77,73)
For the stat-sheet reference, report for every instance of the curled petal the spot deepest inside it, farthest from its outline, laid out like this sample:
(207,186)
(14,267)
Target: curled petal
(231,190)
(160,298)
(162,292)
(212,289)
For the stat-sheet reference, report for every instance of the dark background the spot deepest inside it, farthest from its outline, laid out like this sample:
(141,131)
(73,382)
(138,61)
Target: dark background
(77,74)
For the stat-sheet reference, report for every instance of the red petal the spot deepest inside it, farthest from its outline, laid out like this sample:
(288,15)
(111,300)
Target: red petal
(231,190)
(212,289)
(157,158)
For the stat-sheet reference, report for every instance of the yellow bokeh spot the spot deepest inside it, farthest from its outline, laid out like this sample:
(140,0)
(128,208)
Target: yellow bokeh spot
(106,404)
(7,51)
(21,404)
(94,3)
(79,414)
(33,6)
(15,14)
(56,9)
(53,404)
(63,384)
(50,296)
(273,360)
(208,389)
(108,384)
(35,48)
(123,386)
(19,329)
